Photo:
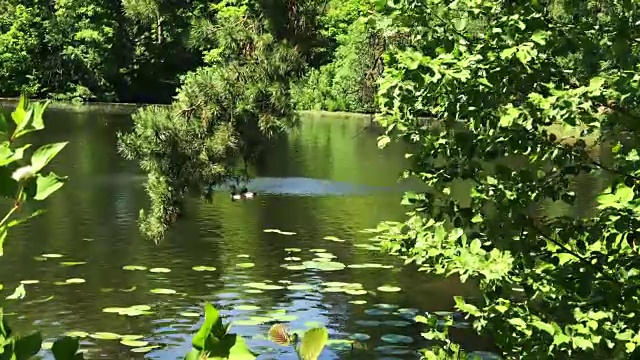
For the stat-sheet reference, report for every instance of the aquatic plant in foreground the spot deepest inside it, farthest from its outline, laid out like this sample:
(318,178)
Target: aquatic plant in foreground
(22,182)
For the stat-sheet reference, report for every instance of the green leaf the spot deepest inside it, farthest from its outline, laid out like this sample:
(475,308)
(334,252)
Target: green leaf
(32,120)
(313,342)
(582,343)
(485,82)
(28,346)
(507,53)
(460,24)
(540,37)
(465,307)
(212,326)
(3,236)
(65,348)
(45,154)
(517,322)
(19,115)
(47,185)
(509,116)
(18,293)
(383,141)
(544,327)
(8,155)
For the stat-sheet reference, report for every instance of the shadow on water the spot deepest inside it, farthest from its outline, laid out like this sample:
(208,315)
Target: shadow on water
(326,182)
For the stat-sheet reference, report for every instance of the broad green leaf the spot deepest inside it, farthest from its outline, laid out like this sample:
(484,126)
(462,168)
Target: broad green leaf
(19,115)
(544,327)
(466,307)
(313,342)
(460,24)
(8,155)
(383,141)
(212,326)
(45,154)
(65,348)
(18,293)
(509,116)
(32,120)
(517,322)
(47,185)
(540,37)
(28,346)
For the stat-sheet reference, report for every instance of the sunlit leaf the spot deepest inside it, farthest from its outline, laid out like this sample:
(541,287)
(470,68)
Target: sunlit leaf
(278,334)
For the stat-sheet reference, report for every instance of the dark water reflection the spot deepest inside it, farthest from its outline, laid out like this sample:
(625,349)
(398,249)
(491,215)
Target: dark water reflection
(349,185)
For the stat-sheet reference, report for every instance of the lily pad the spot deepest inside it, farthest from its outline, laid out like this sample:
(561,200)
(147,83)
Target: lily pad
(72,263)
(356,292)
(292,258)
(397,323)
(204,268)
(246,265)
(163,291)
(247,308)
(299,287)
(243,256)
(105,336)
(51,256)
(263,286)
(368,323)
(376,312)
(389,288)
(333,238)
(135,310)
(397,339)
(189,314)
(360,337)
(294,267)
(358,302)
(386,306)
(288,233)
(78,334)
(144,349)
(292,249)
(318,250)
(393,350)
(159,270)
(29,282)
(75,281)
(324,266)
(370,266)
(134,267)
(134,343)
(326,255)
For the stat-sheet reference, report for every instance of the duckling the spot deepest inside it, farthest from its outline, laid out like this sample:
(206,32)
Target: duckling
(248,194)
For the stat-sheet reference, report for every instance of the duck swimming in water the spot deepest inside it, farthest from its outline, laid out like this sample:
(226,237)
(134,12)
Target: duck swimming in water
(247,194)
(234,194)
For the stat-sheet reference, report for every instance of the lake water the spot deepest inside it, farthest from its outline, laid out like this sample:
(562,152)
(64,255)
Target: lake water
(327,179)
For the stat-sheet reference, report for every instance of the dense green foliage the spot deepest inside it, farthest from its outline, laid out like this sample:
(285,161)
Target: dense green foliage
(348,81)
(96,50)
(136,50)
(224,110)
(215,341)
(495,78)
(23,183)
